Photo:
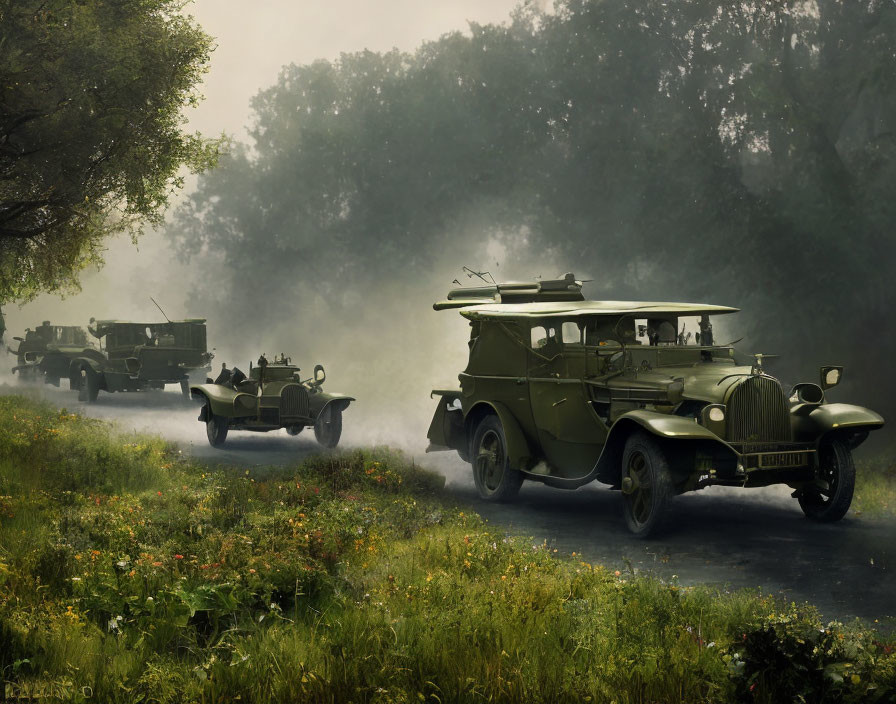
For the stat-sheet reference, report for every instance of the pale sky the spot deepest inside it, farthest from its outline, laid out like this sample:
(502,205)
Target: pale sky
(254,40)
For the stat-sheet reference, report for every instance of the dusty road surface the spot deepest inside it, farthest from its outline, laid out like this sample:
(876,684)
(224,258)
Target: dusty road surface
(755,539)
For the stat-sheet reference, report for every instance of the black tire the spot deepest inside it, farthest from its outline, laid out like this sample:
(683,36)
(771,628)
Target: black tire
(185,388)
(295,429)
(495,479)
(328,426)
(835,466)
(215,428)
(646,485)
(88,386)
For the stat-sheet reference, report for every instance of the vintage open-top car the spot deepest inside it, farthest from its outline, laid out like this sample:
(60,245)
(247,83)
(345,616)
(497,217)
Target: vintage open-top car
(45,353)
(141,356)
(273,396)
(566,391)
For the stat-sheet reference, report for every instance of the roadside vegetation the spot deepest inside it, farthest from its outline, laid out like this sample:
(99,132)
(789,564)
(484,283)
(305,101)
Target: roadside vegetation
(875,488)
(129,573)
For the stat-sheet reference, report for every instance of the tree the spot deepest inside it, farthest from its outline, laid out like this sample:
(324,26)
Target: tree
(91,139)
(739,152)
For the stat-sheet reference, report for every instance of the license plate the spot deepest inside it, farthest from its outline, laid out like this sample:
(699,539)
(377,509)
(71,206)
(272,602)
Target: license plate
(783,459)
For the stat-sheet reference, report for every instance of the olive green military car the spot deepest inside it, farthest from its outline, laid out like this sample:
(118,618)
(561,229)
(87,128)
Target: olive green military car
(45,353)
(273,396)
(565,391)
(141,356)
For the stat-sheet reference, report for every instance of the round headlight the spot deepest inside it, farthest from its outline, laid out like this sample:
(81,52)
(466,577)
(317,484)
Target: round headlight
(716,415)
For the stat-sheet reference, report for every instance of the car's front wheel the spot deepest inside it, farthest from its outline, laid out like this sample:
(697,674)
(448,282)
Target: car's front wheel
(495,479)
(830,499)
(215,428)
(328,426)
(646,484)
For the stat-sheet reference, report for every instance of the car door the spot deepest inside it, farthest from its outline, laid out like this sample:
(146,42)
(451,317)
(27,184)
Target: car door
(568,429)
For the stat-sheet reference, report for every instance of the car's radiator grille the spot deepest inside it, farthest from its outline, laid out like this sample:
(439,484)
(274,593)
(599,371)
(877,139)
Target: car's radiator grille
(294,401)
(757,412)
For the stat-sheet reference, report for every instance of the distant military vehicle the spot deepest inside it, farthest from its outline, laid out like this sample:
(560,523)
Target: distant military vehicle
(565,391)
(273,396)
(141,356)
(45,353)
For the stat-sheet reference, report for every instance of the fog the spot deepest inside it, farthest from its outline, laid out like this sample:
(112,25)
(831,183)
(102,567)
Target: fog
(309,268)
(389,366)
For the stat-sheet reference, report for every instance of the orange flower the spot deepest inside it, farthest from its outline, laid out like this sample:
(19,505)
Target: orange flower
(178,557)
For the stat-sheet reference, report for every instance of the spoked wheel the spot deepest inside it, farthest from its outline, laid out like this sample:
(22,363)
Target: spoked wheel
(89,386)
(495,479)
(328,426)
(646,484)
(215,428)
(830,498)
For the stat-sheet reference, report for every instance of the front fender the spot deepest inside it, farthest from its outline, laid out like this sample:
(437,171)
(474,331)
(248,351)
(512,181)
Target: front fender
(519,454)
(221,400)
(662,425)
(319,401)
(79,363)
(845,418)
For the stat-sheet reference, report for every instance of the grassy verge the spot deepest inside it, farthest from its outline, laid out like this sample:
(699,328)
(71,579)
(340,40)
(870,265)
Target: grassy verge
(128,573)
(875,488)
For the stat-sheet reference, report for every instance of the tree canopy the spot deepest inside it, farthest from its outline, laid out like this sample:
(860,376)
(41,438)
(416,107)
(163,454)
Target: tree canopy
(732,152)
(91,138)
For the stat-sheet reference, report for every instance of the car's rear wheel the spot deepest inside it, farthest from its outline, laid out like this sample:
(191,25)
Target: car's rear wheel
(328,426)
(830,500)
(89,385)
(646,484)
(495,479)
(215,428)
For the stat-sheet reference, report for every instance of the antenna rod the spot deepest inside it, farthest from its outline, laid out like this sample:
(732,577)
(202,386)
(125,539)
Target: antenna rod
(160,309)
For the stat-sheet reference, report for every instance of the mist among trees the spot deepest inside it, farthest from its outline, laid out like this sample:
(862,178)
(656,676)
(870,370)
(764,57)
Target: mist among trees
(736,153)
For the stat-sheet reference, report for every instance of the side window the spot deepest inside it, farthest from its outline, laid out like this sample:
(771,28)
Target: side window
(571,334)
(539,337)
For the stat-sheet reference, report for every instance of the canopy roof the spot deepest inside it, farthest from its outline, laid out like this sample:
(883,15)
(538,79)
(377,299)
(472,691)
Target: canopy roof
(565,309)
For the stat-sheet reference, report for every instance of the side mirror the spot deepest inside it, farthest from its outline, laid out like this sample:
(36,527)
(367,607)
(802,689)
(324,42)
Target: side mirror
(319,374)
(830,376)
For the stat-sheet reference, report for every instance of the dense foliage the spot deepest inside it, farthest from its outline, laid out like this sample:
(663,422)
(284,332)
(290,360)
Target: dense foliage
(740,153)
(91,138)
(128,573)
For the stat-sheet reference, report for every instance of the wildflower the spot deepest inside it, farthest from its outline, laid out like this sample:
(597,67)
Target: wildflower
(159,493)
(251,571)
(156,564)
(178,557)
(503,577)
(617,573)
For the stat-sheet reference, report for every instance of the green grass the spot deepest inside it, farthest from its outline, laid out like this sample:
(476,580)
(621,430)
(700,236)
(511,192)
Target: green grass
(130,573)
(875,488)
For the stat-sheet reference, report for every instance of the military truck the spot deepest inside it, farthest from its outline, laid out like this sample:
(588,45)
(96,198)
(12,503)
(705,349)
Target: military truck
(564,391)
(141,356)
(273,396)
(45,353)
